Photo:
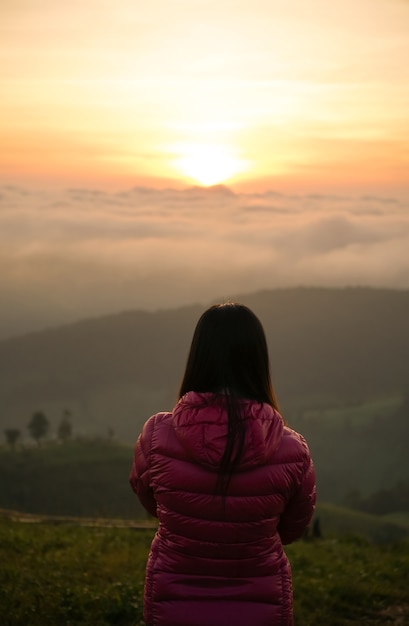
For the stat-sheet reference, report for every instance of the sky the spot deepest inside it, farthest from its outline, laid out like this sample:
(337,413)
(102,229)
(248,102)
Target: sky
(157,154)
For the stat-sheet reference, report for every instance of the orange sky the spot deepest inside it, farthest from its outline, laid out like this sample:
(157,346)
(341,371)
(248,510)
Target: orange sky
(154,154)
(256,95)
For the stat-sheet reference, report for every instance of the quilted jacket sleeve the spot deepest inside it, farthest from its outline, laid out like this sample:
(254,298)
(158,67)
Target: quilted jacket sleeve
(300,508)
(140,473)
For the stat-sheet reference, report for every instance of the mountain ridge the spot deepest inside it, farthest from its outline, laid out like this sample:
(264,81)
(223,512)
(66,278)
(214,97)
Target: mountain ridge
(326,345)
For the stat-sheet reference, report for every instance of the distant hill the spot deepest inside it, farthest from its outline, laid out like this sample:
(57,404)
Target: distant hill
(336,520)
(327,346)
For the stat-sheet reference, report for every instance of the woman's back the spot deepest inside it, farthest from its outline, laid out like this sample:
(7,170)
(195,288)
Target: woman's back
(217,558)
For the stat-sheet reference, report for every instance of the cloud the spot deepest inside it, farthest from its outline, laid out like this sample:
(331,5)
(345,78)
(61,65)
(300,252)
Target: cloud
(76,252)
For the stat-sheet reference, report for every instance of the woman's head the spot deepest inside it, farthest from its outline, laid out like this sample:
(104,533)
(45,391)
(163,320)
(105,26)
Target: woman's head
(229,354)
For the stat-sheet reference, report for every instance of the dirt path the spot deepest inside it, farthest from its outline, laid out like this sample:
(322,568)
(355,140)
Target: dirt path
(397,615)
(97,522)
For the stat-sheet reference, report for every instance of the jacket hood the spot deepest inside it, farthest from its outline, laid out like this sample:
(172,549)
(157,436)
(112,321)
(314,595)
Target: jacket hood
(200,423)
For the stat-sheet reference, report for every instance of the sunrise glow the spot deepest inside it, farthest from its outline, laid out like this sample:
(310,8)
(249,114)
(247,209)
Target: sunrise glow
(158,154)
(207,164)
(263,94)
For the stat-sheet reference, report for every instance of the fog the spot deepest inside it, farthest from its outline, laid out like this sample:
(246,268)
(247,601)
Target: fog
(73,253)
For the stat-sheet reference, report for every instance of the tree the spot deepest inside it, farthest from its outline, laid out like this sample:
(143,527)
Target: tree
(12,436)
(65,426)
(38,426)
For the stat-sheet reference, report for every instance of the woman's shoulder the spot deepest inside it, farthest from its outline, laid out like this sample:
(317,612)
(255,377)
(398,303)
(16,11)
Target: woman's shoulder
(157,419)
(153,422)
(294,445)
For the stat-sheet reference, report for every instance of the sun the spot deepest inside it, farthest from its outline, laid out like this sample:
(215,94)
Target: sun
(207,164)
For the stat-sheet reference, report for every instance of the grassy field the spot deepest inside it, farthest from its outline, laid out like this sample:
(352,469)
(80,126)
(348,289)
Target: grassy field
(67,574)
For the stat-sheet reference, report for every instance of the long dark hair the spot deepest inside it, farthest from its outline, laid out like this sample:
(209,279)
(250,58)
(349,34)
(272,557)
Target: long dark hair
(229,357)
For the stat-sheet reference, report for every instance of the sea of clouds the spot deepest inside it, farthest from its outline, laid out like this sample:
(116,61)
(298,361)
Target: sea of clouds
(75,253)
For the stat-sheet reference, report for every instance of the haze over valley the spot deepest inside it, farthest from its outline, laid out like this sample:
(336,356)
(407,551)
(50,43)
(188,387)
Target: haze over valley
(70,254)
(155,157)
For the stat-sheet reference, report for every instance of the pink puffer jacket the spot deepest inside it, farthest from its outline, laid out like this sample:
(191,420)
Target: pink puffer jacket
(215,562)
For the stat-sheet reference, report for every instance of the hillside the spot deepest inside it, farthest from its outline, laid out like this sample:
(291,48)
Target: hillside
(339,360)
(327,346)
(89,477)
(78,478)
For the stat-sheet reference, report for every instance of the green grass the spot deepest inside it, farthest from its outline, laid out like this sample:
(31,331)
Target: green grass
(349,581)
(66,575)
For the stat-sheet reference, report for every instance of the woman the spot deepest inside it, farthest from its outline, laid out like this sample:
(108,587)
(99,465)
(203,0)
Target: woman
(229,482)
